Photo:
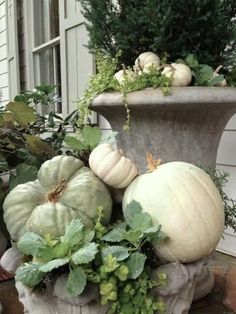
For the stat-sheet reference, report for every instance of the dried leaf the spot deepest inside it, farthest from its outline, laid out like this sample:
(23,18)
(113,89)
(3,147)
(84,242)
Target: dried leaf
(22,113)
(38,147)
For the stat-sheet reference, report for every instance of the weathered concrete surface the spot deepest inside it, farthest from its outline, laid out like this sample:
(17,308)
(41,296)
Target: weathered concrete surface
(52,301)
(186,125)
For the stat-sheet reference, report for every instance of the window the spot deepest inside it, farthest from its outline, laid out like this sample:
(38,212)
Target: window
(43,44)
(49,50)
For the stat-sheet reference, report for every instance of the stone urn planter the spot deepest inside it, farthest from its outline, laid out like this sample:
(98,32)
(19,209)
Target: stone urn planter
(186,125)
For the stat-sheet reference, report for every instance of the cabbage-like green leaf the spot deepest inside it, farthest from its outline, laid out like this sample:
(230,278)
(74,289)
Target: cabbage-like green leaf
(76,281)
(136,264)
(85,255)
(53,264)
(29,274)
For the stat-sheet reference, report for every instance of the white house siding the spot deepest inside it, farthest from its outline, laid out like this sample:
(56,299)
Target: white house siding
(3,55)
(226,161)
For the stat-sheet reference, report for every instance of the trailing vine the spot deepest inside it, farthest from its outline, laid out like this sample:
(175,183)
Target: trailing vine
(104,81)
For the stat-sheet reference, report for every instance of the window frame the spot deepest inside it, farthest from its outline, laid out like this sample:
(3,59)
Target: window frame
(33,51)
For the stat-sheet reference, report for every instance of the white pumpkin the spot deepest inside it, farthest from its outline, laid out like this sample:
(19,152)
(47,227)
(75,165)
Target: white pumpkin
(183,199)
(180,73)
(111,166)
(223,83)
(146,60)
(64,190)
(123,75)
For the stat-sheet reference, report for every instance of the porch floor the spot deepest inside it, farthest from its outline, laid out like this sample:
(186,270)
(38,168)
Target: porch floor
(221,264)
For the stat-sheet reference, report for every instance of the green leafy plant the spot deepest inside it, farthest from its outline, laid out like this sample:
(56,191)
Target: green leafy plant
(111,257)
(43,94)
(203,74)
(201,27)
(102,81)
(18,144)
(85,140)
(231,76)
(29,138)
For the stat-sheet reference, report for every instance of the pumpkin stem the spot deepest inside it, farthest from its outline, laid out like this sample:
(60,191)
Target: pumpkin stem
(152,164)
(218,69)
(54,195)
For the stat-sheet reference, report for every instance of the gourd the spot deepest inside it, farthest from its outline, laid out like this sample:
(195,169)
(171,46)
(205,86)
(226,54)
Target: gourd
(64,190)
(183,199)
(146,60)
(180,73)
(111,166)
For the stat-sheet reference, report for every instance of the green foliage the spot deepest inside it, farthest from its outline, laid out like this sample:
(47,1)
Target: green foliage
(231,76)
(122,271)
(43,94)
(21,145)
(84,141)
(203,74)
(102,81)
(23,173)
(74,250)
(202,27)
(220,178)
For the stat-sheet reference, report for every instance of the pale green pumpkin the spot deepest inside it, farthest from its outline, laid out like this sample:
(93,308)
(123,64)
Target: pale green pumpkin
(64,190)
(183,199)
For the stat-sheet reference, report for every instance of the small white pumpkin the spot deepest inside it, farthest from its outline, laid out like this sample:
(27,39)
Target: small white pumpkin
(111,166)
(223,83)
(146,60)
(183,199)
(180,73)
(123,75)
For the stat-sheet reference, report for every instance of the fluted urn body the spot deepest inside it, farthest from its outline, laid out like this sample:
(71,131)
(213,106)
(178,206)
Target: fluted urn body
(185,125)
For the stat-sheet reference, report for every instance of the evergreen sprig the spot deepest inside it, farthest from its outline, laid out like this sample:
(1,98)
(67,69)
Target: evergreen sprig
(220,178)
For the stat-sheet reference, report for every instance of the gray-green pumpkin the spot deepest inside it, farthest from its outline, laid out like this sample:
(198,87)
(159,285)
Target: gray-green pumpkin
(65,189)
